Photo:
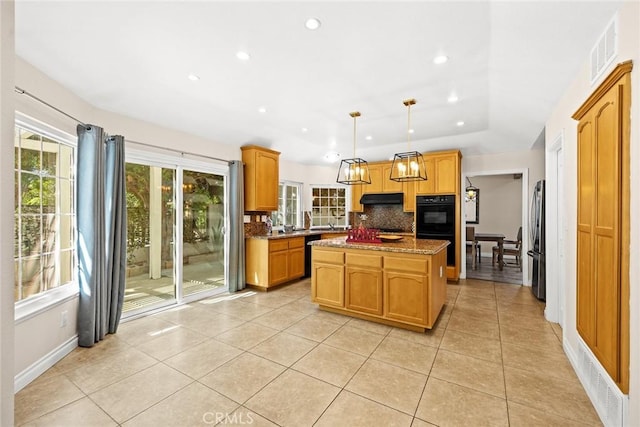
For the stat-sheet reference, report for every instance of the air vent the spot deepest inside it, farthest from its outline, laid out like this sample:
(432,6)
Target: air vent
(606,397)
(605,50)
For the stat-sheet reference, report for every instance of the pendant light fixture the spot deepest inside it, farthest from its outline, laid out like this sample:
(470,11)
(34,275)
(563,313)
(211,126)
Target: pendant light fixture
(408,166)
(354,171)
(471,192)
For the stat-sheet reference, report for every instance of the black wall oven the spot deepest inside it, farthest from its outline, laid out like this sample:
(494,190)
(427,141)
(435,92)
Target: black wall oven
(436,219)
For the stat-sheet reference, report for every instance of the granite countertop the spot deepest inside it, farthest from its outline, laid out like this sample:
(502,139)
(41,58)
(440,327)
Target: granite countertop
(408,244)
(311,232)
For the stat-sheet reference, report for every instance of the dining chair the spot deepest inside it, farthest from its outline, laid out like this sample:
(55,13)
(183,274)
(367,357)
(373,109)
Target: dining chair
(473,246)
(511,248)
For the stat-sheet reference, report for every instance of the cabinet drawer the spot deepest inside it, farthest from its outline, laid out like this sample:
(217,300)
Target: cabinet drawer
(296,242)
(333,257)
(278,245)
(374,261)
(406,264)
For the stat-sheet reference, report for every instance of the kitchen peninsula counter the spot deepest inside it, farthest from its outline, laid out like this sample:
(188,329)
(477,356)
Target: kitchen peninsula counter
(401,283)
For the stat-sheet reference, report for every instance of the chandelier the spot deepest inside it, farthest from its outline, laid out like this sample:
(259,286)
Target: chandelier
(354,171)
(471,192)
(408,166)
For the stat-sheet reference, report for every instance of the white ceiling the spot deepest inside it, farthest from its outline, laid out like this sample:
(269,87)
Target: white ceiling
(509,62)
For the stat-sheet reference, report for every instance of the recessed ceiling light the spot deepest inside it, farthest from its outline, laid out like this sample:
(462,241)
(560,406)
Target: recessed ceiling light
(193,77)
(368,137)
(304,130)
(440,59)
(262,110)
(332,156)
(243,56)
(452,99)
(312,24)
(411,131)
(459,123)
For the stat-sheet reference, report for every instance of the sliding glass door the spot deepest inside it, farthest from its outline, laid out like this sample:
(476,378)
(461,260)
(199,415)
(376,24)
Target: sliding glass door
(168,204)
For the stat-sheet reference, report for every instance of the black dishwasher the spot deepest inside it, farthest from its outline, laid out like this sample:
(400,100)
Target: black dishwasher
(307,252)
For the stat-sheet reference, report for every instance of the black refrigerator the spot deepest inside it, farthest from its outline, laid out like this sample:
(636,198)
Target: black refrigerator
(537,238)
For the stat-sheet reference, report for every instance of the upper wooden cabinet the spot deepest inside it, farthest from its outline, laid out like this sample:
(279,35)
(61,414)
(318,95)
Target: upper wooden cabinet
(389,185)
(375,173)
(603,222)
(261,178)
(443,173)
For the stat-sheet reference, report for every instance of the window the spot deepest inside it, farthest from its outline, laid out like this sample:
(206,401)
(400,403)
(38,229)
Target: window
(44,224)
(288,205)
(329,206)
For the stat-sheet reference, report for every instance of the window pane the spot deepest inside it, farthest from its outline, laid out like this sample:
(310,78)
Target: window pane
(49,157)
(49,272)
(30,193)
(329,207)
(49,229)
(31,235)
(65,231)
(30,158)
(31,277)
(65,192)
(66,267)
(48,195)
(66,162)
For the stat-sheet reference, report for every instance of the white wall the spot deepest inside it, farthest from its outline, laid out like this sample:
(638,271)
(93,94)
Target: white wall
(6,212)
(500,200)
(309,176)
(560,122)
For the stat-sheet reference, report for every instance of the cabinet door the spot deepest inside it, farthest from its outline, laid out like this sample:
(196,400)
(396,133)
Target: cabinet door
(363,289)
(446,171)
(356,194)
(296,263)
(428,186)
(327,284)
(278,267)
(409,190)
(388,185)
(375,173)
(406,297)
(267,181)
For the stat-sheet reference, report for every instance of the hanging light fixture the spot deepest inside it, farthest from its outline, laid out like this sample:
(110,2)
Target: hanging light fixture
(354,171)
(471,192)
(408,166)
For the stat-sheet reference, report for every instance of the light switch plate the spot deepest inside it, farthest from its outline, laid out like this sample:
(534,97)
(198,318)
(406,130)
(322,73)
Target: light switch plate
(264,218)
(247,219)
(257,218)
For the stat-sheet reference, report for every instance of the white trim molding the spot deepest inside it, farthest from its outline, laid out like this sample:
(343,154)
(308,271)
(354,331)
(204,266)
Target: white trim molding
(40,367)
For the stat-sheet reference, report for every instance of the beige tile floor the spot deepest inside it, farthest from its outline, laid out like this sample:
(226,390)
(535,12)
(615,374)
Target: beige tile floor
(273,358)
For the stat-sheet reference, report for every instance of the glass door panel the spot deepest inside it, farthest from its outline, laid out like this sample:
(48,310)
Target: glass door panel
(203,239)
(151,217)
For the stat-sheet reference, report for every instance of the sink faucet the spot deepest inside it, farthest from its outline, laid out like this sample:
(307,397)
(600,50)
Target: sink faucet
(332,226)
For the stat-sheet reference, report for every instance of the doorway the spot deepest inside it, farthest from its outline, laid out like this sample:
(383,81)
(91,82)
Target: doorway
(502,208)
(183,203)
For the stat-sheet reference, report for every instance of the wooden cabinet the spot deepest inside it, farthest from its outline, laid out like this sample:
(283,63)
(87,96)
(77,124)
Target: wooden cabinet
(261,178)
(375,174)
(443,173)
(409,190)
(356,194)
(389,185)
(327,277)
(406,290)
(271,262)
(363,283)
(602,306)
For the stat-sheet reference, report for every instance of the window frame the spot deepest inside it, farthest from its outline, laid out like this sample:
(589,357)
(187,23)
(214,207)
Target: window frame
(347,203)
(282,205)
(35,304)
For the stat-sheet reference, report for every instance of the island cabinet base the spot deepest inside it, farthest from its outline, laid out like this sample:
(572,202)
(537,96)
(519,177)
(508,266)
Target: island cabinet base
(397,289)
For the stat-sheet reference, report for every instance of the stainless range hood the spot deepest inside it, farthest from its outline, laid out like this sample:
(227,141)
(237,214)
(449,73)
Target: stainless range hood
(382,199)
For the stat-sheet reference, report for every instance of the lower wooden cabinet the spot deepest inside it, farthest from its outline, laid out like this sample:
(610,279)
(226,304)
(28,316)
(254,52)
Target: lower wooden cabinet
(407,290)
(271,262)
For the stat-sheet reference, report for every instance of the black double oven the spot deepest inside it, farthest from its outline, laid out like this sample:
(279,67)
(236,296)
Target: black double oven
(436,219)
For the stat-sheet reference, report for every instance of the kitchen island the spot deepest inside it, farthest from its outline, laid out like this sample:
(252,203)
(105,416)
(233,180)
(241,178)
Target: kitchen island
(401,283)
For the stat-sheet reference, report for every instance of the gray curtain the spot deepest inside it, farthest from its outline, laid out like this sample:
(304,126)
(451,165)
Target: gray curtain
(236,231)
(102,232)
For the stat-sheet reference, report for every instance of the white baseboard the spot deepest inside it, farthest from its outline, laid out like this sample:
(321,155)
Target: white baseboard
(40,367)
(610,403)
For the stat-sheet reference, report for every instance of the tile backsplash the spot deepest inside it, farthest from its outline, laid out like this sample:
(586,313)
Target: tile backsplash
(383,216)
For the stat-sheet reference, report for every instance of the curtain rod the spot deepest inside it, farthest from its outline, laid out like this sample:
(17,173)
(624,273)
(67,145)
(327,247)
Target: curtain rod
(32,96)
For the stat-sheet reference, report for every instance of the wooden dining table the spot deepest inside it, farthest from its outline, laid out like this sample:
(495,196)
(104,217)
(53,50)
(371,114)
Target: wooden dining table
(493,237)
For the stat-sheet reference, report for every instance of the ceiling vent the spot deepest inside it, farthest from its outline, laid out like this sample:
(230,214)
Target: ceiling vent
(605,50)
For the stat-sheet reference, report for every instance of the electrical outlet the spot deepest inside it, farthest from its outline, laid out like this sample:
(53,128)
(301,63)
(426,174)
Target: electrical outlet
(64,318)
(264,218)
(247,219)
(257,218)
